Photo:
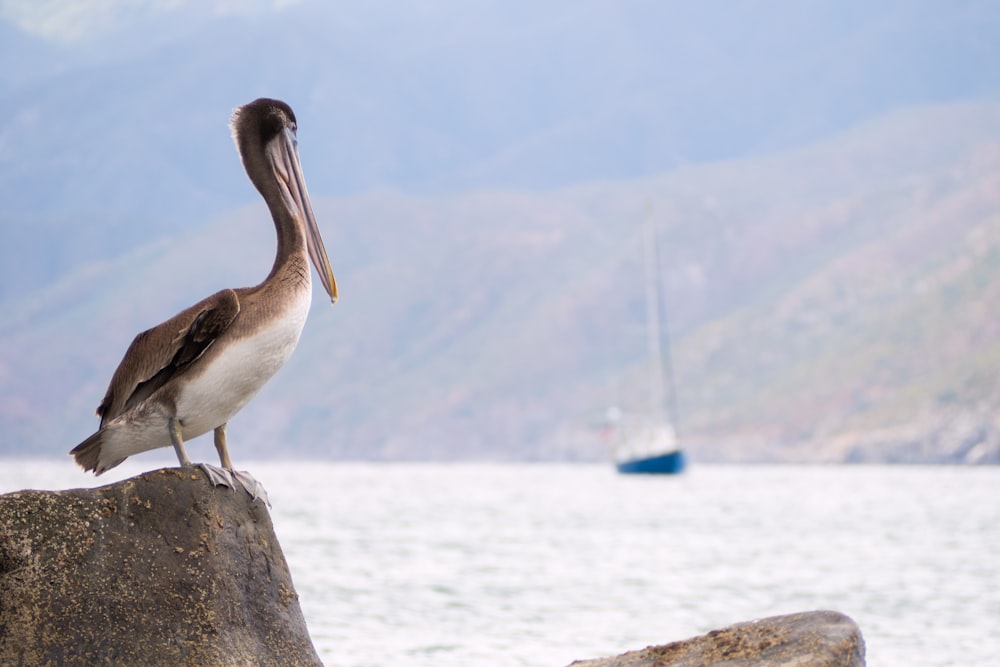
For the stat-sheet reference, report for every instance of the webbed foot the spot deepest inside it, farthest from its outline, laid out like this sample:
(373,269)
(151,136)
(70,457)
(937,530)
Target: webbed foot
(218,476)
(251,486)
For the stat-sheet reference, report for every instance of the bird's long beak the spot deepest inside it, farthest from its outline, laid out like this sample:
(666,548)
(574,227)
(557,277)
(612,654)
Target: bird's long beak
(284,157)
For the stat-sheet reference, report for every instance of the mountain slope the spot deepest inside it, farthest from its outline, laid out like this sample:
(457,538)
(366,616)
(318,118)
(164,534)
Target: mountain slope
(829,303)
(114,139)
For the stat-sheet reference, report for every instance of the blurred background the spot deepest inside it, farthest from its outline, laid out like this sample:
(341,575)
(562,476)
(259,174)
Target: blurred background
(823,178)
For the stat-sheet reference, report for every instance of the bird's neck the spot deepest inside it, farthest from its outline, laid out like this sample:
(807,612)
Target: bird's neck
(291,261)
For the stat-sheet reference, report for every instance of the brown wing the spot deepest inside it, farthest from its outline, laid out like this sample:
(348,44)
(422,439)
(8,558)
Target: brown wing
(160,353)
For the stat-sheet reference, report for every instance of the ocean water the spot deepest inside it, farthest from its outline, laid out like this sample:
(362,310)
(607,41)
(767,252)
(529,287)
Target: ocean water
(543,564)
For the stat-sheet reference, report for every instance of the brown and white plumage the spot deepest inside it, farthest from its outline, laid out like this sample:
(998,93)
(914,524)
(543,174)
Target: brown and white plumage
(192,373)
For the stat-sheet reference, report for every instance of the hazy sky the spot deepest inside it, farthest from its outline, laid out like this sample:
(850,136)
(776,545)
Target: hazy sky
(69,21)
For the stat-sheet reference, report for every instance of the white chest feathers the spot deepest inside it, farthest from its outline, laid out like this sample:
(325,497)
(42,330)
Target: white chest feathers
(238,370)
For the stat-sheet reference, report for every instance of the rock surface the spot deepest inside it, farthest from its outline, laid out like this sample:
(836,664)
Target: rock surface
(808,639)
(160,569)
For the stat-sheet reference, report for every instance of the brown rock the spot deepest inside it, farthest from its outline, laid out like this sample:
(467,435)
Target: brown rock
(160,569)
(808,639)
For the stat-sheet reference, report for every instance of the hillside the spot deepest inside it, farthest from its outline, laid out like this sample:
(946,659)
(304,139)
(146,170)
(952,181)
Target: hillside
(829,303)
(113,114)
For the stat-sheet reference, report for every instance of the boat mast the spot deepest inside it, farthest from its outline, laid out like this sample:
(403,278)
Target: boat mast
(662,394)
(657,389)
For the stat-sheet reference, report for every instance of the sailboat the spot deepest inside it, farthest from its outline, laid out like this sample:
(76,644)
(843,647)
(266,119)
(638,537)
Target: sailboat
(647,443)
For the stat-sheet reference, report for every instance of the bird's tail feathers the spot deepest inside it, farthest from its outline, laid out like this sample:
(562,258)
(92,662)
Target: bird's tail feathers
(88,454)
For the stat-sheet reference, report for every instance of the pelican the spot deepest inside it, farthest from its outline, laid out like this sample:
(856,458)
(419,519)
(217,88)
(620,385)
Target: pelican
(191,374)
